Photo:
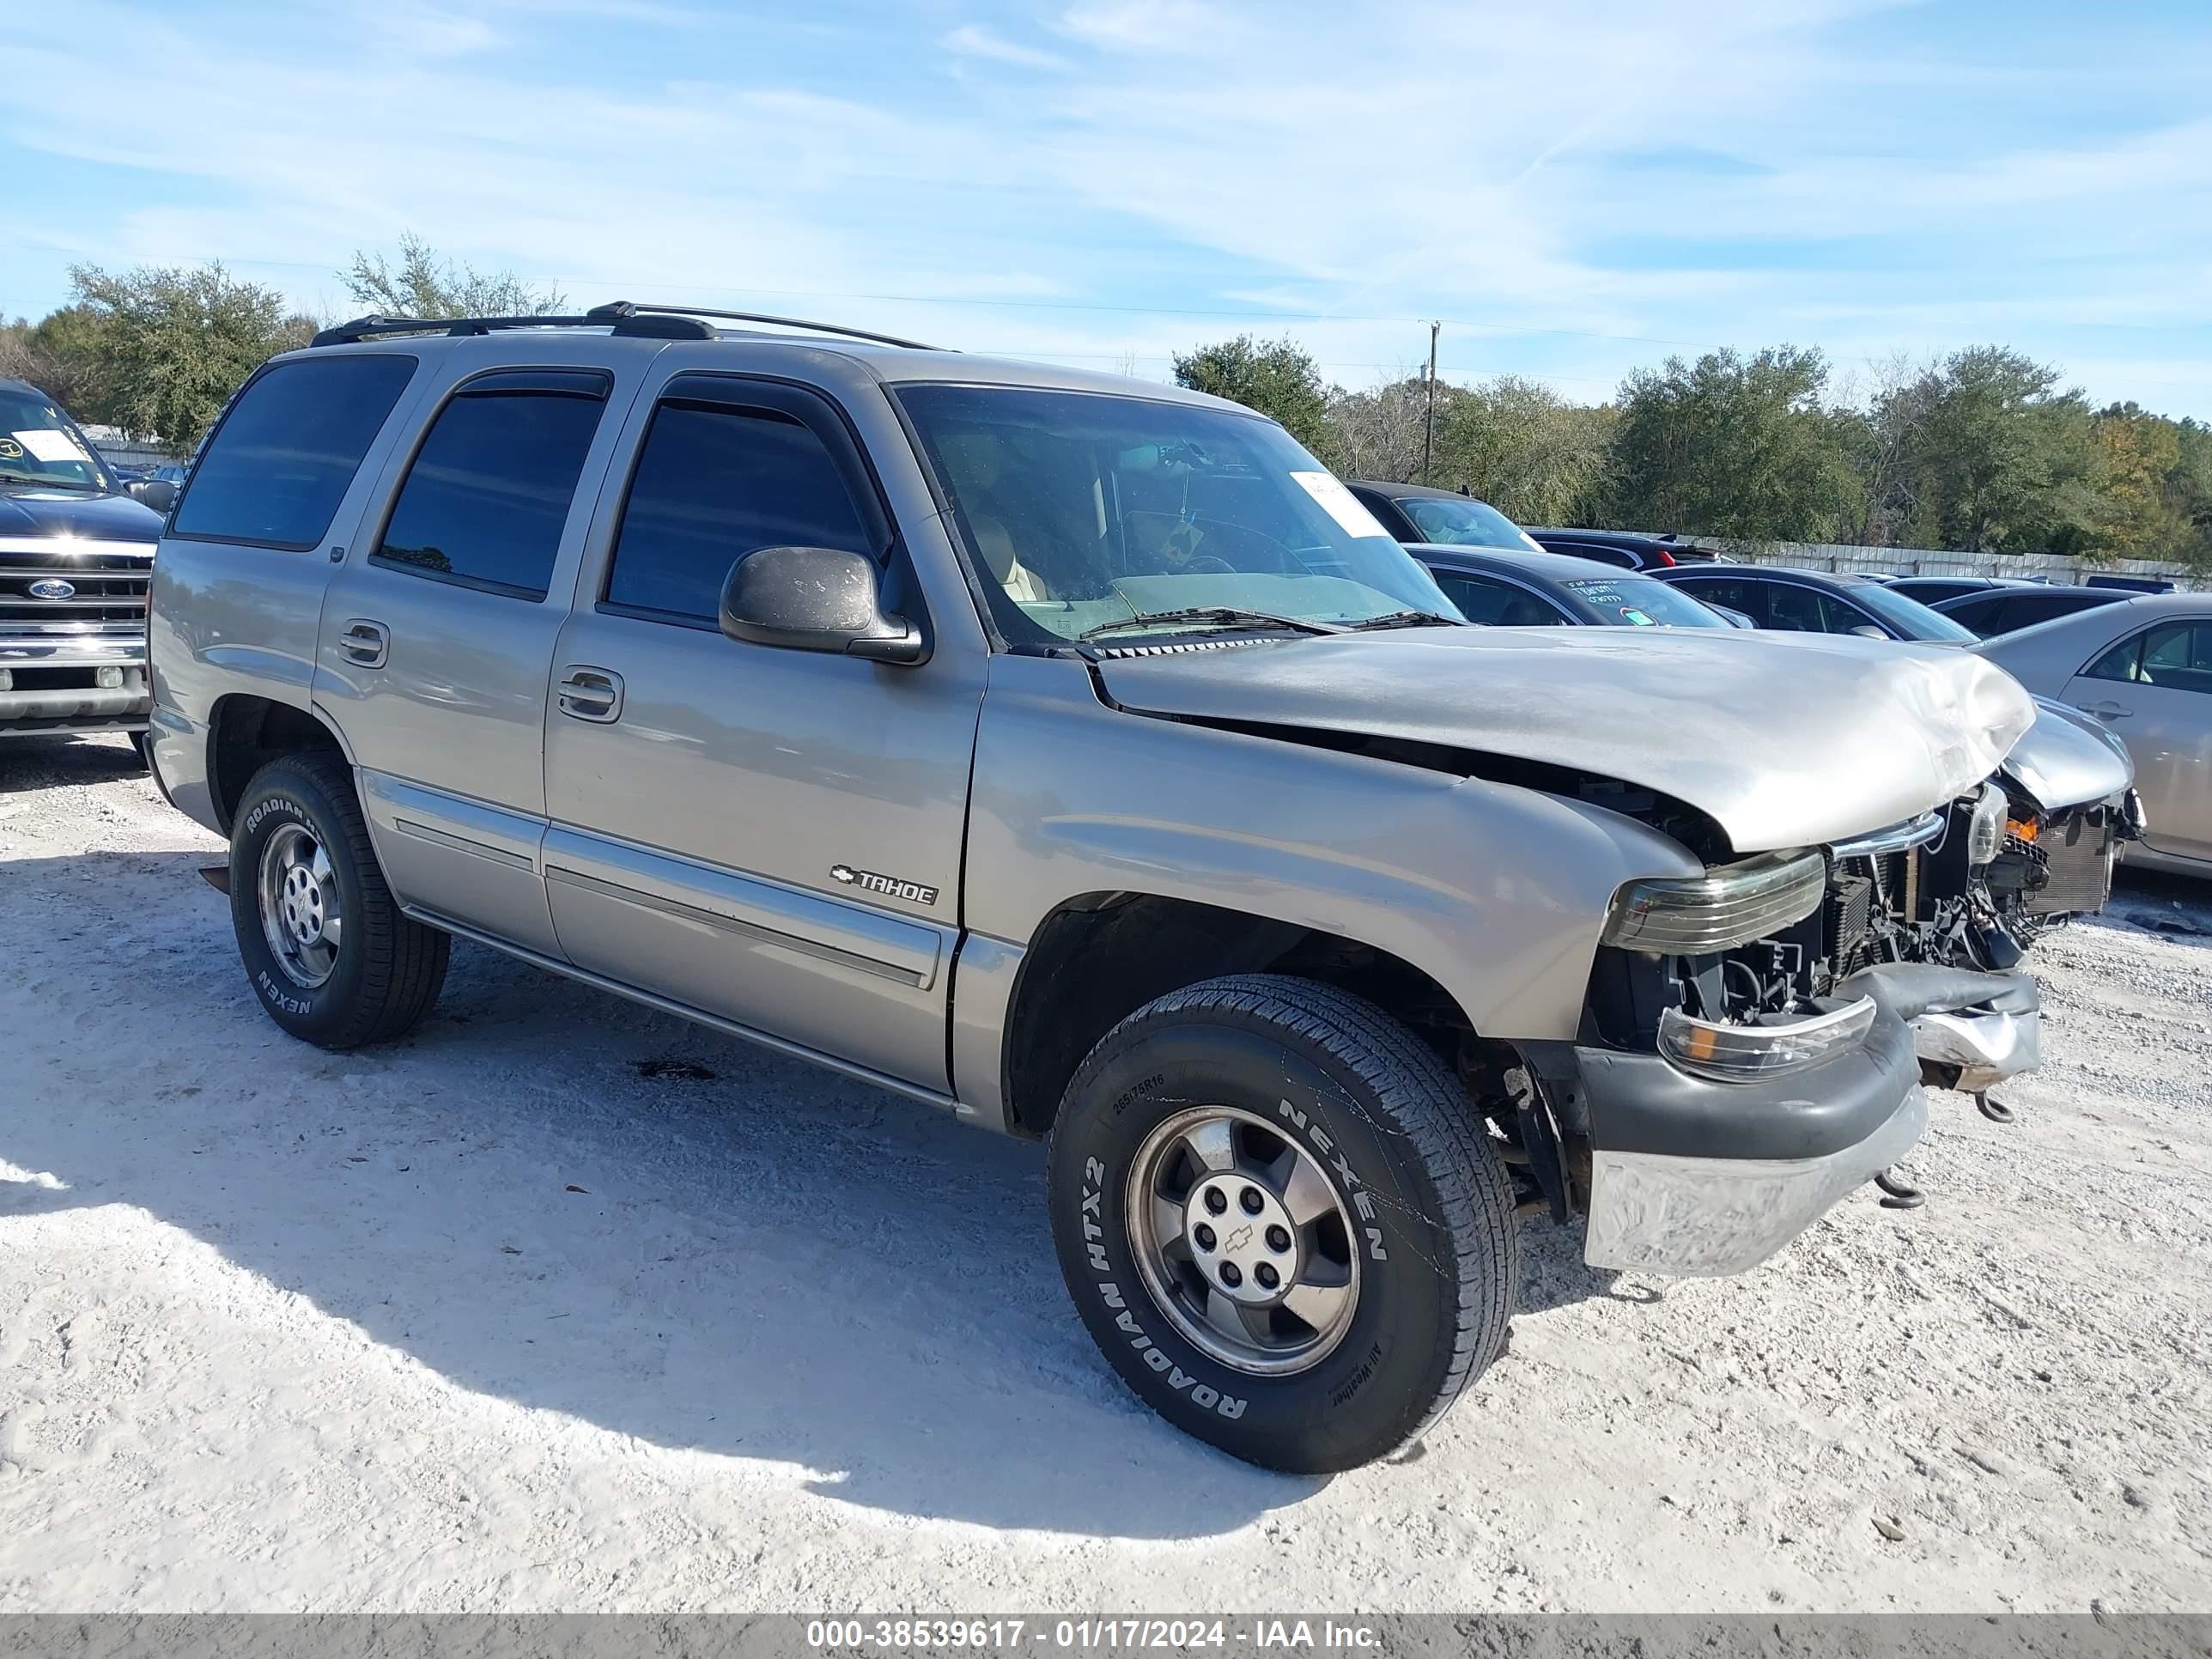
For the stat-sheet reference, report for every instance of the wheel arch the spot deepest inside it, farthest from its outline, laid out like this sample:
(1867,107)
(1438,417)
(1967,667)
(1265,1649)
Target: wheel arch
(246,731)
(1099,957)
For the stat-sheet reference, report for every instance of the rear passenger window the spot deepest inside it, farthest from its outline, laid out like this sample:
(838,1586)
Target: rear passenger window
(1497,605)
(715,483)
(1749,598)
(487,495)
(1798,610)
(280,462)
(1984,616)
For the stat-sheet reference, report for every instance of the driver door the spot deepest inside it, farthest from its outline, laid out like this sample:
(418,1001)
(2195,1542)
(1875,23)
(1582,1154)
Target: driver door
(771,837)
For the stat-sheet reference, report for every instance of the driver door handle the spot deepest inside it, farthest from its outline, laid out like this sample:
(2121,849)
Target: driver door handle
(590,694)
(2107,711)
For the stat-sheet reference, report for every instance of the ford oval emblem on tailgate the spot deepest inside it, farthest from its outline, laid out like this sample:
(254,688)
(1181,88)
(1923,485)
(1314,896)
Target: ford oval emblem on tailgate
(53,588)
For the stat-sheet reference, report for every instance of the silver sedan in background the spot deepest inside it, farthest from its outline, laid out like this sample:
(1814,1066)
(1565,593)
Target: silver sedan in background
(2144,668)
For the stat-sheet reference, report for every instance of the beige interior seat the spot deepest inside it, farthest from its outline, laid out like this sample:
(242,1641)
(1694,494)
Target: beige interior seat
(996,549)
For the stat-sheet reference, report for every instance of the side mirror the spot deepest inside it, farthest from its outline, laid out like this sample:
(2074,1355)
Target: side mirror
(157,493)
(1869,631)
(816,598)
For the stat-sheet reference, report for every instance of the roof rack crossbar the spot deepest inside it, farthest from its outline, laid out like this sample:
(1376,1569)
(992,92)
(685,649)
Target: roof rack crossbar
(624,316)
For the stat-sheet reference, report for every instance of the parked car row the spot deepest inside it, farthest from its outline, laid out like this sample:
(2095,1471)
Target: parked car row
(2155,646)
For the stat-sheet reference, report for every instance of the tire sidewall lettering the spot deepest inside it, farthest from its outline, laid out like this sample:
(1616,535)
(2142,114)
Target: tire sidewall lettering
(258,821)
(1126,1324)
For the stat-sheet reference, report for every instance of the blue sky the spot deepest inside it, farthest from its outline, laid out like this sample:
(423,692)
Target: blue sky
(1575,188)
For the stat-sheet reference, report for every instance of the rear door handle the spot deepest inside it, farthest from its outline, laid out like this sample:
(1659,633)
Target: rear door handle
(366,642)
(2107,711)
(590,694)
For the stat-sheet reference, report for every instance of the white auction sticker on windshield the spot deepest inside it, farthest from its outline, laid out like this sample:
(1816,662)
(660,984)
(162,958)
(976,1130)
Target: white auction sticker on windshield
(46,444)
(1340,504)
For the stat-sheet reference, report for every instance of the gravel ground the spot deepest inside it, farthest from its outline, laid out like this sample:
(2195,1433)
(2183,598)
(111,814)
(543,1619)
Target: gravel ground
(490,1320)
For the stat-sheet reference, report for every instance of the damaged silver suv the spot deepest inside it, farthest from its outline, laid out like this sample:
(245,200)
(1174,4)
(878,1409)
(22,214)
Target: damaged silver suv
(1077,756)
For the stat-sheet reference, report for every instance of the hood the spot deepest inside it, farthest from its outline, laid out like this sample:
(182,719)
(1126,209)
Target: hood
(1782,739)
(28,510)
(2066,759)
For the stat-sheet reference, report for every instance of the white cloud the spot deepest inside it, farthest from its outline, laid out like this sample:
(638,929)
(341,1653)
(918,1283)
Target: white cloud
(1574,183)
(973,40)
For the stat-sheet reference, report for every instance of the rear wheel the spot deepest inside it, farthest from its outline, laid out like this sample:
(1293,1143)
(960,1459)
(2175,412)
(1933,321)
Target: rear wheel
(323,943)
(1281,1221)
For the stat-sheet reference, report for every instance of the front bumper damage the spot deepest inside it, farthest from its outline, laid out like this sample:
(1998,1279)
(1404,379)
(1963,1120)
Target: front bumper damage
(1970,1031)
(1698,1177)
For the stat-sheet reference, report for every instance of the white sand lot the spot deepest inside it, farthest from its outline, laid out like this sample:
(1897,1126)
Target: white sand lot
(282,1329)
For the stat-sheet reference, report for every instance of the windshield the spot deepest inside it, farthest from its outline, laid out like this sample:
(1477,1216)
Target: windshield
(39,445)
(1082,510)
(1640,601)
(1909,616)
(1465,522)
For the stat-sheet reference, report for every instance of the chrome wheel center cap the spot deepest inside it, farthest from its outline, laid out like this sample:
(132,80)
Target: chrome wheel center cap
(1243,1239)
(303,905)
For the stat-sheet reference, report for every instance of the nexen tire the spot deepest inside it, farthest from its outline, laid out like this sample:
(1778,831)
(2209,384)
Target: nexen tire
(389,969)
(1430,1206)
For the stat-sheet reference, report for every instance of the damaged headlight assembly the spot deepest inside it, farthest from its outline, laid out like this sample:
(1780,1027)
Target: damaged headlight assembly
(1730,904)
(1985,830)
(1741,1053)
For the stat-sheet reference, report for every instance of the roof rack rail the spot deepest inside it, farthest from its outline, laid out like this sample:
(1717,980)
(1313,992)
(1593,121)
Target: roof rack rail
(632,309)
(622,317)
(367,328)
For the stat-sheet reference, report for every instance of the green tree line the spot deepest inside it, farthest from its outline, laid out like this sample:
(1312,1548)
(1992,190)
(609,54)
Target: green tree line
(1984,450)
(158,349)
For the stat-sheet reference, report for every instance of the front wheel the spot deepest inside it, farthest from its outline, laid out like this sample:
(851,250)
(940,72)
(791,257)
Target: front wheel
(1282,1221)
(329,953)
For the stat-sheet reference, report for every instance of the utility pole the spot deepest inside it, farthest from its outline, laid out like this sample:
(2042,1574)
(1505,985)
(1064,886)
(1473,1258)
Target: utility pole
(1429,436)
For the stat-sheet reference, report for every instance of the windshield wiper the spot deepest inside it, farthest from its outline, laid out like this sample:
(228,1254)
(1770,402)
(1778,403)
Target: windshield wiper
(1225,615)
(1408,619)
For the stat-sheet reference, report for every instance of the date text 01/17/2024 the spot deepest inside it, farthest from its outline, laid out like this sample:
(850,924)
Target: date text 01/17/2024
(1088,1635)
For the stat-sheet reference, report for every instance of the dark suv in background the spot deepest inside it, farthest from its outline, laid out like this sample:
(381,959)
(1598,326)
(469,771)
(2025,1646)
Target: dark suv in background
(75,551)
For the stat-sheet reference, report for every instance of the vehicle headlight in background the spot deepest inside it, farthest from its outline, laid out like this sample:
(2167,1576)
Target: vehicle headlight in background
(1985,830)
(1730,904)
(1741,1054)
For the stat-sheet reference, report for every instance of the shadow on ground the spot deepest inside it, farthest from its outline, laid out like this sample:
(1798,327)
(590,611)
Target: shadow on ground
(734,1253)
(2176,906)
(28,763)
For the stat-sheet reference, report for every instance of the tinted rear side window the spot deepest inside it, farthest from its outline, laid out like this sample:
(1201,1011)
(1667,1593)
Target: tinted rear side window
(1748,597)
(1981,615)
(715,483)
(280,463)
(1497,605)
(487,495)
